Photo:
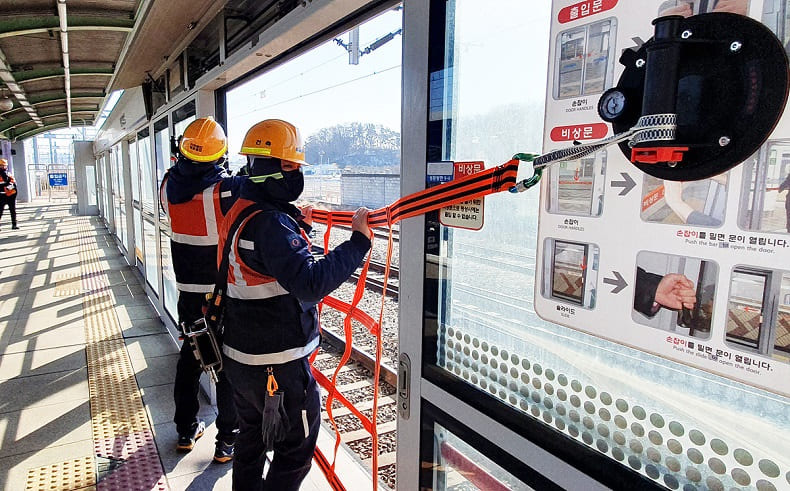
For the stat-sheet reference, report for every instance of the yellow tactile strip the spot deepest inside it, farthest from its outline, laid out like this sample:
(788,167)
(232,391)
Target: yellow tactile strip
(67,285)
(116,405)
(79,473)
(66,476)
(121,430)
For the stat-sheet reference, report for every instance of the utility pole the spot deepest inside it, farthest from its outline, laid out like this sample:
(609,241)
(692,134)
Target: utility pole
(353,46)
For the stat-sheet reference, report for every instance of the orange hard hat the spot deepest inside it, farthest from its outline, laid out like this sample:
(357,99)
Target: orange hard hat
(274,138)
(203,141)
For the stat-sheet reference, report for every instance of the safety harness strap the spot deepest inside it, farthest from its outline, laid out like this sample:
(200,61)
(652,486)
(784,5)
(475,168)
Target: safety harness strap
(216,306)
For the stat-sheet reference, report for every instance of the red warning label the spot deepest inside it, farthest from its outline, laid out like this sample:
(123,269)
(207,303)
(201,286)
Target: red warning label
(592,131)
(584,9)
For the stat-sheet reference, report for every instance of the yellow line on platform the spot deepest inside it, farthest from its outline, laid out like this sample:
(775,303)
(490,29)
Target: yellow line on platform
(122,433)
(64,476)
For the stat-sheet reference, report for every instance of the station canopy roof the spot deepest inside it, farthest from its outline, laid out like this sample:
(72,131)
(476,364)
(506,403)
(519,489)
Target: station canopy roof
(60,59)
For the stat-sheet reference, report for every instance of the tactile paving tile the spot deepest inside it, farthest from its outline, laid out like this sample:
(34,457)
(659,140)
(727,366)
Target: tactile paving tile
(783,331)
(67,285)
(120,425)
(141,467)
(66,476)
(116,405)
(744,324)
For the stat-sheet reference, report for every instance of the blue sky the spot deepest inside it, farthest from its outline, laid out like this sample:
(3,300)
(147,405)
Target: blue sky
(320,88)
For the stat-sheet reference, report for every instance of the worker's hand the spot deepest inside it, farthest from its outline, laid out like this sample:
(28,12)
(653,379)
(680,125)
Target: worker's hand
(721,178)
(684,10)
(676,291)
(740,7)
(307,214)
(673,196)
(359,222)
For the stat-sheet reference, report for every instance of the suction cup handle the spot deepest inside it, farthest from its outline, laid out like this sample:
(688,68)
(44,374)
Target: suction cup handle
(661,76)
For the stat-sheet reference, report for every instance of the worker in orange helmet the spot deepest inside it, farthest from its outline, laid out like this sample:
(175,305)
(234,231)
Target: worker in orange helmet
(270,318)
(7,192)
(196,194)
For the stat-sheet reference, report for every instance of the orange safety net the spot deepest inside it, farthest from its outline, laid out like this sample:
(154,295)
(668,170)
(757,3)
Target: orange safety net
(490,181)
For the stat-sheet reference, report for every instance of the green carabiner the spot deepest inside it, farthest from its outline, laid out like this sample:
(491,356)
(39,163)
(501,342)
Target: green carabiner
(536,175)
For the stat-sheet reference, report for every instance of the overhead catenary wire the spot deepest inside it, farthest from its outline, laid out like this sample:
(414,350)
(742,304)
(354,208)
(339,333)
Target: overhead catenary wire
(317,91)
(306,71)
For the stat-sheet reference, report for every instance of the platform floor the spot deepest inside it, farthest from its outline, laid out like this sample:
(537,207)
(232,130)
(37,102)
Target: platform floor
(72,315)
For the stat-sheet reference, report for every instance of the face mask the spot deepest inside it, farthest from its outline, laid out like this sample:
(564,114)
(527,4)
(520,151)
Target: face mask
(281,186)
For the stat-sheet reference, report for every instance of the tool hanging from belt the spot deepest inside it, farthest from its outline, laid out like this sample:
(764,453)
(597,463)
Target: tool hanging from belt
(205,334)
(274,424)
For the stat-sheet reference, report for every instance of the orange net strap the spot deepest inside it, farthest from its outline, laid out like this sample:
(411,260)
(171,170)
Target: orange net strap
(489,181)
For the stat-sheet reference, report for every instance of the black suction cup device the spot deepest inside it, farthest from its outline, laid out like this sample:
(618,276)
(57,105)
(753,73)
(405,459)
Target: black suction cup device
(708,90)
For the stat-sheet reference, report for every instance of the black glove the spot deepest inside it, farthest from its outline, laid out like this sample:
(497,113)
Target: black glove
(275,425)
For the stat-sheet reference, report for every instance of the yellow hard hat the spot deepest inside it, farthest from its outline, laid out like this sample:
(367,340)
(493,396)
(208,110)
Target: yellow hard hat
(3,162)
(274,138)
(203,141)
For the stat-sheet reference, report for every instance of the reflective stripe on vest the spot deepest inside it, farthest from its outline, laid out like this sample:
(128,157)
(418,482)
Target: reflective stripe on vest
(271,358)
(247,292)
(194,287)
(195,222)
(244,283)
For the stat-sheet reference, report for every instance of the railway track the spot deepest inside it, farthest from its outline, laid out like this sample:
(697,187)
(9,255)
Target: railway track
(375,280)
(359,356)
(355,382)
(355,379)
(376,285)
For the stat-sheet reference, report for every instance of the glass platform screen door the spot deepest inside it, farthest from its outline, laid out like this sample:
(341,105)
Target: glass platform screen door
(483,396)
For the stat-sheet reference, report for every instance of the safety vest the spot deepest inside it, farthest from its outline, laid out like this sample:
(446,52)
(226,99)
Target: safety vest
(244,283)
(10,186)
(195,234)
(252,299)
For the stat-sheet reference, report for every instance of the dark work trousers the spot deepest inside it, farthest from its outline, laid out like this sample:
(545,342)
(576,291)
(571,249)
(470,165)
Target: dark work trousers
(187,384)
(787,211)
(11,202)
(292,456)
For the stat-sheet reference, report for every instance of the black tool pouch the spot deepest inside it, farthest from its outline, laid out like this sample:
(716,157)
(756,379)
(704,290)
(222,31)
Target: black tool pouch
(205,346)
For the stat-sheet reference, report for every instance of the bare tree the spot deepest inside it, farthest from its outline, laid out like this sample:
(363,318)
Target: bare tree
(354,144)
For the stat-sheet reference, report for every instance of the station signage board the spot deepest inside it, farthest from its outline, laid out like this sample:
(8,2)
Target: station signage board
(467,214)
(58,179)
(619,251)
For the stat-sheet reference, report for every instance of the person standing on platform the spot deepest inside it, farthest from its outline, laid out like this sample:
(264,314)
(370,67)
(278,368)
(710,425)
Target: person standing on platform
(7,192)
(270,317)
(196,193)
